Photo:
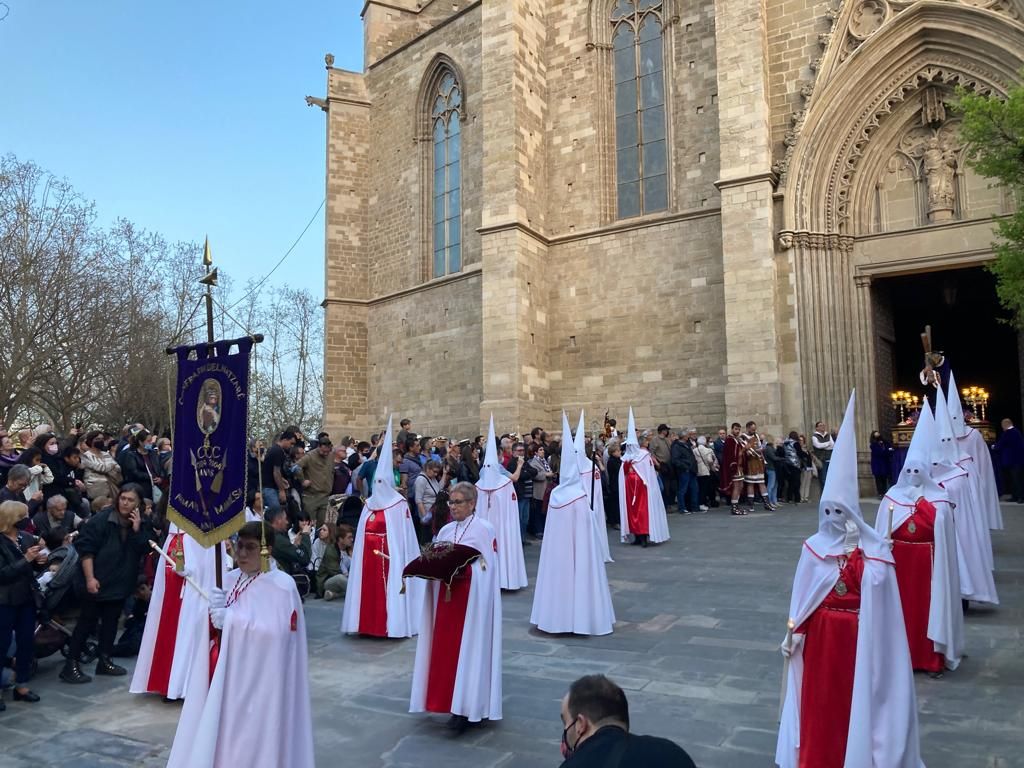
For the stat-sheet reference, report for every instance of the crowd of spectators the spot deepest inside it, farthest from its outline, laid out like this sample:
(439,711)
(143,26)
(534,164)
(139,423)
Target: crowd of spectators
(93,499)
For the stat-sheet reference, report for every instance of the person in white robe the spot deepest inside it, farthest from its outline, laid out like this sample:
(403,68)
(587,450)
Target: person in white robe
(973,539)
(590,478)
(640,462)
(882,728)
(458,651)
(977,459)
(571,593)
(255,710)
(385,543)
(158,649)
(945,616)
(498,506)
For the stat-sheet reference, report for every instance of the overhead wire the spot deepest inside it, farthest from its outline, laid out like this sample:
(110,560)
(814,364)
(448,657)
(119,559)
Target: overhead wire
(266,277)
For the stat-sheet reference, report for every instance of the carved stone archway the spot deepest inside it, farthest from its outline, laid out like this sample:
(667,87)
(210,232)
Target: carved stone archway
(927,45)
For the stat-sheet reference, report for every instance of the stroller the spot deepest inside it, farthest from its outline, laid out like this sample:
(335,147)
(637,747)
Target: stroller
(54,605)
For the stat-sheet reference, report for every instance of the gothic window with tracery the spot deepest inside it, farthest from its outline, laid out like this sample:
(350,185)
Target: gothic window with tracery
(445,120)
(641,150)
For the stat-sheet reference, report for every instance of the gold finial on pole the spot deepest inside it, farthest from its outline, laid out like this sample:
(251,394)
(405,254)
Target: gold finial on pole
(207,256)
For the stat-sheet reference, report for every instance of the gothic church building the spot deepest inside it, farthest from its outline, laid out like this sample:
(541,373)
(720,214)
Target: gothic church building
(689,207)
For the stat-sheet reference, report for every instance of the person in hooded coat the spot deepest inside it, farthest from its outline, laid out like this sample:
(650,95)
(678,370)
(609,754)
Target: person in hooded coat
(641,509)
(458,651)
(498,506)
(385,543)
(849,688)
(973,539)
(977,459)
(917,515)
(572,592)
(590,479)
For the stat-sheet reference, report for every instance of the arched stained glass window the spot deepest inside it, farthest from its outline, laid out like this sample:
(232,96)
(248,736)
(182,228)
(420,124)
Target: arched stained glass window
(641,152)
(447,183)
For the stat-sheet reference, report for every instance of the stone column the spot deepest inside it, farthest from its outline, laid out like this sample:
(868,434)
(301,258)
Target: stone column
(346,289)
(753,387)
(513,244)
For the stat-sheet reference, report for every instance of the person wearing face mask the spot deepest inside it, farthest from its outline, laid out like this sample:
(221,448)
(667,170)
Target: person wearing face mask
(919,515)
(595,731)
(138,464)
(101,472)
(848,685)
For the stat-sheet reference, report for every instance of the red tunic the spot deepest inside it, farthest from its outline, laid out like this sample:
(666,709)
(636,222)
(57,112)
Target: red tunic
(830,655)
(637,512)
(449,621)
(914,552)
(373,595)
(732,464)
(167,630)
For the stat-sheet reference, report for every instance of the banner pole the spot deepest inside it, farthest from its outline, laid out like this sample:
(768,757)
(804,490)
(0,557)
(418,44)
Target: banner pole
(209,281)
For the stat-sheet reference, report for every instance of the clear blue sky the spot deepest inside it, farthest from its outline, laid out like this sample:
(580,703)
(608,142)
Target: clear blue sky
(184,116)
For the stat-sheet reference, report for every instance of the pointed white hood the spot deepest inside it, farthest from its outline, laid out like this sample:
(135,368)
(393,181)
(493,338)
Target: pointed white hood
(491,476)
(915,478)
(580,441)
(840,498)
(384,494)
(632,452)
(946,449)
(569,486)
(956,409)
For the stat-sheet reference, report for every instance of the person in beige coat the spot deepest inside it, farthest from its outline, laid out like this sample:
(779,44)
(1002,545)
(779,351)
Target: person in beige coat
(102,472)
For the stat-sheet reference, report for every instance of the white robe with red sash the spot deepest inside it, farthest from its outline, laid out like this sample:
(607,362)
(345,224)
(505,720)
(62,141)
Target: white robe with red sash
(403,609)
(470,651)
(157,652)
(657,520)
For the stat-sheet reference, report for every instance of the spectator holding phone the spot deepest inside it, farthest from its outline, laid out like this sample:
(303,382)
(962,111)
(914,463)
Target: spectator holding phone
(17,594)
(111,546)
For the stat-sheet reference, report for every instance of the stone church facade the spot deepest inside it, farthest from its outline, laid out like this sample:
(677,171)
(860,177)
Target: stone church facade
(680,206)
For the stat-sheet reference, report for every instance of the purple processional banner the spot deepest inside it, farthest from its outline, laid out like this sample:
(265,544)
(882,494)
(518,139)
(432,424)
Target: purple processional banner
(208,469)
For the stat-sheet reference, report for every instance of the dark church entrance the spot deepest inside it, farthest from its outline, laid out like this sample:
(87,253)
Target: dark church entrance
(967,324)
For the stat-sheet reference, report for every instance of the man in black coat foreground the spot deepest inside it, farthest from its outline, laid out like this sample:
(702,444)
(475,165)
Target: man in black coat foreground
(595,720)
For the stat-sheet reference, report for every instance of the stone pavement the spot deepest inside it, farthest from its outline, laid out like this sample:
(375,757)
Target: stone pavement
(695,647)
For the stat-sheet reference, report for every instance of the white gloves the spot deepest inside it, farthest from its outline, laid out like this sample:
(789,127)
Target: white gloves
(790,643)
(217,617)
(218,607)
(218,598)
(188,573)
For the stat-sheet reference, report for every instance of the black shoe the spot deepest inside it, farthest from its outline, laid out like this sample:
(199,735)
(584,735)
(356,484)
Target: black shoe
(28,696)
(646,539)
(2,705)
(106,667)
(72,673)
(458,724)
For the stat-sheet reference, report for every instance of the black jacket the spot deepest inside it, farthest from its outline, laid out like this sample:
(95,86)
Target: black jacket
(17,579)
(116,553)
(136,469)
(612,747)
(524,485)
(291,558)
(682,458)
